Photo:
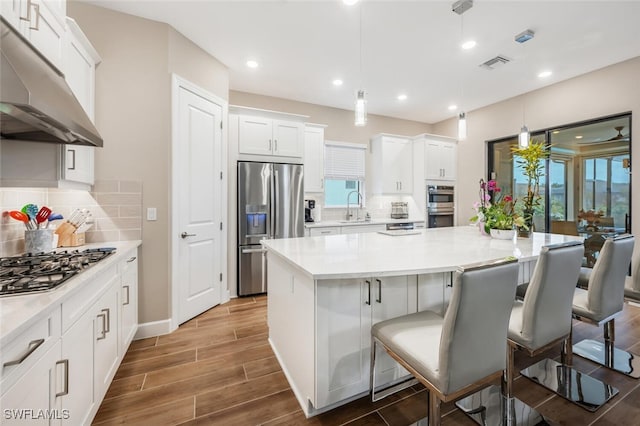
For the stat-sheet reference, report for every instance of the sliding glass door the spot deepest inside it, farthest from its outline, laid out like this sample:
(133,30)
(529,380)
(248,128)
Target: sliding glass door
(587,186)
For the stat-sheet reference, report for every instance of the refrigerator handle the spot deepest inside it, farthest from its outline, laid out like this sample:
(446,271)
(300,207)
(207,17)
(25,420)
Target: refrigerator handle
(276,205)
(272,207)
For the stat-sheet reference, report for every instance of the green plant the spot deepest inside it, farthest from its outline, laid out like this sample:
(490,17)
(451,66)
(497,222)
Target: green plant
(531,160)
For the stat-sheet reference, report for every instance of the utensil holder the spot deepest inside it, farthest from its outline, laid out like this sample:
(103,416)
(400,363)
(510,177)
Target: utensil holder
(38,241)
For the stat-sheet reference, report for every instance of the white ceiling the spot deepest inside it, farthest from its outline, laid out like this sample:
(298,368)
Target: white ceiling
(407,46)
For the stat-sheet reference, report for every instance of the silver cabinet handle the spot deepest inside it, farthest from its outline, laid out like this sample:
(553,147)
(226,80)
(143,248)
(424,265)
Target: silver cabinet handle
(127,302)
(247,251)
(64,362)
(33,345)
(270,146)
(379,299)
(322,183)
(36,7)
(104,326)
(401,186)
(28,17)
(368,301)
(275,141)
(73,159)
(131,259)
(185,235)
(108,320)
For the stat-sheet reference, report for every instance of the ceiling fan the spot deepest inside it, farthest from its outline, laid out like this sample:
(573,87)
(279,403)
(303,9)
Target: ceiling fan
(619,136)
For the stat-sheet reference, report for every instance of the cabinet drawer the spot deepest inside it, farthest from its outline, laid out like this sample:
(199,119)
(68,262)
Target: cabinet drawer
(21,353)
(329,230)
(76,305)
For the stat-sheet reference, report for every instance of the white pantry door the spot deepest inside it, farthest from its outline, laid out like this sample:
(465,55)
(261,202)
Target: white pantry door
(198,194)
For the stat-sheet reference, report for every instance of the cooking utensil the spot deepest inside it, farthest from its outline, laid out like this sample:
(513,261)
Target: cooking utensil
(52,217)
(43,215)
(22,217)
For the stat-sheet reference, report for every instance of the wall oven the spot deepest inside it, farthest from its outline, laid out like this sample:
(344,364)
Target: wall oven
(440,205)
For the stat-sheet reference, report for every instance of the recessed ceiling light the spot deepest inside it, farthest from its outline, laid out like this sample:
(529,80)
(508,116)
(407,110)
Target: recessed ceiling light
(350,2)
(252,64)
(453,107)
(470,44)
(578,137)
(402,97)
(555,132)
(337,82)
(544,74)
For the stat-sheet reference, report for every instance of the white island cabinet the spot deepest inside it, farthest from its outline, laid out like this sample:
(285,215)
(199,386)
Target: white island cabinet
(330,290)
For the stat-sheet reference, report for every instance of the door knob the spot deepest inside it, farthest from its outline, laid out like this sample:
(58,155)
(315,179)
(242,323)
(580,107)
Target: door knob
(185,235)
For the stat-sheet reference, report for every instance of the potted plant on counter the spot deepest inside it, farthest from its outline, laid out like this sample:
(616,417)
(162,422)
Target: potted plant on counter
(530,159)
(496,215)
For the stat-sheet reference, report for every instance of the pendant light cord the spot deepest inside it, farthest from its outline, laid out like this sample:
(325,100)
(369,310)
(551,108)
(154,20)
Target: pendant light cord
(360,40)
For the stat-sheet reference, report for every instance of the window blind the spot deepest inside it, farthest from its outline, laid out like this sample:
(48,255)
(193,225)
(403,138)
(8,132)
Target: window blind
(344,161)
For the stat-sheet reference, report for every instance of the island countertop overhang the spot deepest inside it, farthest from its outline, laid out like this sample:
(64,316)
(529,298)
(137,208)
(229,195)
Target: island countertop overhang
(431,251)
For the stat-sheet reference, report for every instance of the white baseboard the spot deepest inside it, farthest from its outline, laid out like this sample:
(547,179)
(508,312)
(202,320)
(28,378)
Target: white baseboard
(152,329)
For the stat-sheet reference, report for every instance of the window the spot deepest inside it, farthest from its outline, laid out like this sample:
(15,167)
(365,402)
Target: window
(344,165)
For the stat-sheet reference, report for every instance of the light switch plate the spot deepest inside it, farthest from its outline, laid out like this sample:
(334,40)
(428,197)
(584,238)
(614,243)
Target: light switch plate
(152,213)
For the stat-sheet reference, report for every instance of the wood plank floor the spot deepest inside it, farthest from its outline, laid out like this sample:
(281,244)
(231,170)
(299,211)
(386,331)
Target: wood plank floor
(218,368)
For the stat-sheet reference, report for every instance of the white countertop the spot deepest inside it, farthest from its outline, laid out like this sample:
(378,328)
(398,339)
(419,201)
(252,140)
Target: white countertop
(327,223)
(18,312)
(432,250)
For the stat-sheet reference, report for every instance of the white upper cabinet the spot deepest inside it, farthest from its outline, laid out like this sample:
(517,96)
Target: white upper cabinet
(80,59)
(41,22)
(440,159)
(314,158)
(392,164)
(262,132)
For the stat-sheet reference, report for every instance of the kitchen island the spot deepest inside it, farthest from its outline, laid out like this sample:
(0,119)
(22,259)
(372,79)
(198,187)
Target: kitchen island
(326,292)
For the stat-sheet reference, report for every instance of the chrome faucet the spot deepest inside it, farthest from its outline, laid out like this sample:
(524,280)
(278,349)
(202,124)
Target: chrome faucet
(359,199)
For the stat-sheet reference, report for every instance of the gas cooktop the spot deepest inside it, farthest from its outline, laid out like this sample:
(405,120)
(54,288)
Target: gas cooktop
(41,272)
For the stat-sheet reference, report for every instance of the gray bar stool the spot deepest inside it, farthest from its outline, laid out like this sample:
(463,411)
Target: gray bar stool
(465,350)
(602,302)
(632,282)
(538,323)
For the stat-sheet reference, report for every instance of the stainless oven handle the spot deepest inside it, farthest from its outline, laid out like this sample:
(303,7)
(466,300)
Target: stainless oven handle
(441,213)
(440,192)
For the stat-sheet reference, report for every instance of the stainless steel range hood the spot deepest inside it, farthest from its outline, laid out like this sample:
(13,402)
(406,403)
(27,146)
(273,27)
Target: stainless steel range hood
(36,103)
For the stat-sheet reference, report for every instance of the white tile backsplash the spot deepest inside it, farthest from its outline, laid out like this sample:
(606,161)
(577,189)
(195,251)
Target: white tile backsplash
(116,207)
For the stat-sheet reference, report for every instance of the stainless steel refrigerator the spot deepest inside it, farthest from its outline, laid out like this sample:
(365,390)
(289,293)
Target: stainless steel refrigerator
(270,205)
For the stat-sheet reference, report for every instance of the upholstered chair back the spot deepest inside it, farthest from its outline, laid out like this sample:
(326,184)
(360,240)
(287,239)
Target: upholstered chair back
(546,309)
(606,283)
(474,332)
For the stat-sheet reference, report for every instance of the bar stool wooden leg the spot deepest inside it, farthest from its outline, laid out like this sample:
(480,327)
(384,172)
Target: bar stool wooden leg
(434,409)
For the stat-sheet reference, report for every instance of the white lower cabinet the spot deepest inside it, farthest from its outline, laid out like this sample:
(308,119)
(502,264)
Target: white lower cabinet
(66,361)
(33,399)
(343,333)
(78,353)
(128,300)
(431,292)
(105,329)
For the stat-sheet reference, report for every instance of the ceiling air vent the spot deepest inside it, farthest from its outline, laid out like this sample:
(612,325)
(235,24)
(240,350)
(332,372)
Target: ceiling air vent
(496,62)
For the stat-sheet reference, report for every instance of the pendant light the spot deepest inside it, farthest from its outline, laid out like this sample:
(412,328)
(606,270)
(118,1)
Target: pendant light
(462,126)
(361,109)
(523,138)
(361,103)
